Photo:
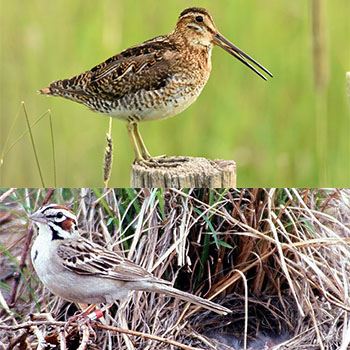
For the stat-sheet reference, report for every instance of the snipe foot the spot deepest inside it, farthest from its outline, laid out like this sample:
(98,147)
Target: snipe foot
(162,162)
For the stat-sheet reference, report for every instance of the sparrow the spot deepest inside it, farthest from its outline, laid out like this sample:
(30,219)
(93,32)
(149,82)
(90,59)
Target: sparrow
(84,272)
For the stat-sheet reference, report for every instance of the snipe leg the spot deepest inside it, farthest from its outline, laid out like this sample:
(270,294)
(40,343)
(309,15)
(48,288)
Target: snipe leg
(144,151)
(142,146)
(132,136)
(141,153)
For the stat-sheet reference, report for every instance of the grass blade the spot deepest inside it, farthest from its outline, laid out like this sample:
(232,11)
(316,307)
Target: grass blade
(53,150)
(33,145)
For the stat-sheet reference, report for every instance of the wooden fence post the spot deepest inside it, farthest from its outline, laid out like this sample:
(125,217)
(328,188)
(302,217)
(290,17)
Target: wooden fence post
(185,172)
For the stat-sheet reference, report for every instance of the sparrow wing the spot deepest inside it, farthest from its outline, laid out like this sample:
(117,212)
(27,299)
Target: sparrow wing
(86,258)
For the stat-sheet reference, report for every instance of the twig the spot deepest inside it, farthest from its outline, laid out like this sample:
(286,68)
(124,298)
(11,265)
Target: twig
(4,304)
(205,341)
(5,218)
(44,319)
(101,326)
(20,340)
(245,283)
(86,336)
(62,339)
(7,193)
(40,336)
(25,253)
(124,324)
(29,324)
(145,335)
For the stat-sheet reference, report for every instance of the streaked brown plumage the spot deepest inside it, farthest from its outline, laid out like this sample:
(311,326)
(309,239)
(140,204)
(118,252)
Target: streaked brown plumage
(157,79)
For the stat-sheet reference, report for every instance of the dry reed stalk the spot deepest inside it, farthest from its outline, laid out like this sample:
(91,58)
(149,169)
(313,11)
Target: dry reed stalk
(108,155)
(7,194)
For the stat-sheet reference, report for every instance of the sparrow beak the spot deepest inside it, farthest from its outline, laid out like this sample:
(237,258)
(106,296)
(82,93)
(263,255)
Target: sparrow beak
(233,50)
(38,217)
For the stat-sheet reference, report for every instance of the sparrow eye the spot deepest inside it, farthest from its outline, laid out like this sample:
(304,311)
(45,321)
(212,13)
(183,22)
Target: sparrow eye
(59,215)
(199,19)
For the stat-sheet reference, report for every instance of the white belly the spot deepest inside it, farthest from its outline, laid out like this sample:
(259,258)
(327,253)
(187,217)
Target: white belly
(68,285)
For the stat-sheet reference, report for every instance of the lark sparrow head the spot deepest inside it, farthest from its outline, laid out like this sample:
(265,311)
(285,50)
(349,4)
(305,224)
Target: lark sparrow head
(56,221)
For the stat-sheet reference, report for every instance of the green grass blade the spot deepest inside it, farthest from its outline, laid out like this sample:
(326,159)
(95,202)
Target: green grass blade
(33,145)
(53,150)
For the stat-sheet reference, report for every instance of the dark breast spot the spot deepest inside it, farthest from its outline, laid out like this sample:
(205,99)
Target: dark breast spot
(35,255)
(55,234)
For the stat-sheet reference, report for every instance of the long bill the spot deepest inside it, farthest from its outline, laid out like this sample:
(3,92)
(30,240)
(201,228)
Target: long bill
(233,50)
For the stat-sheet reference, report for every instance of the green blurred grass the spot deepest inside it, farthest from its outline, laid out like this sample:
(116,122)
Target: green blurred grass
(269,128)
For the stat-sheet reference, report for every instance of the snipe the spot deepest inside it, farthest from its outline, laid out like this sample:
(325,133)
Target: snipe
(157,79)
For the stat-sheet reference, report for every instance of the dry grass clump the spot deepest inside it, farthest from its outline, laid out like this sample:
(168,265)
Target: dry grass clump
(279,258)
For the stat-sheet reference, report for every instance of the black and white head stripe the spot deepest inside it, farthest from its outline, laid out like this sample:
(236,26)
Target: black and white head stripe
(57,213)
(61,221)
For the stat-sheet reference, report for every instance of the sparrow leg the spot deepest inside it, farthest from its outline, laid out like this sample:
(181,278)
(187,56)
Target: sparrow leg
(87,309)
(81,317)
(132,136)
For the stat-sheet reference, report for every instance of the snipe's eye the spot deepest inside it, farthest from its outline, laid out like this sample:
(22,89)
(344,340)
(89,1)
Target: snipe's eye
(59,215)
(199,19)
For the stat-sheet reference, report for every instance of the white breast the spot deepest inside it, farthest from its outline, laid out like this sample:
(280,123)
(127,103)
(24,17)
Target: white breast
(67,284)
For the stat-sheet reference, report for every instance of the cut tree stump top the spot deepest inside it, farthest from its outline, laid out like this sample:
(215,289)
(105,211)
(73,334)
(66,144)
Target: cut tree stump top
(185,172)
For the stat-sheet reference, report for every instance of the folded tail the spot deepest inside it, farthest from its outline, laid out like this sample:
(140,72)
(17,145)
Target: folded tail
(71,89)
(64,87)
(60,88)
(191,298)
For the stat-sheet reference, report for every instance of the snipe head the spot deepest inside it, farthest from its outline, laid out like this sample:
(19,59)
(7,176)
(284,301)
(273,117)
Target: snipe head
(196,27)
